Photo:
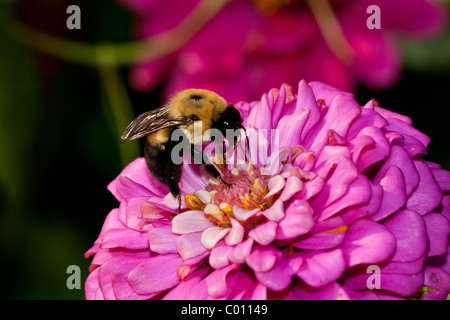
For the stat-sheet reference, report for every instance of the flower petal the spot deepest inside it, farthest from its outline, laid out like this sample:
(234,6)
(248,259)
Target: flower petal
(218,257)
(156,274)
(279,277)
(438,230)
(236,234)
(275,212)
(324,235)
(438,282)
(190,245)
(321,268)
(264,233)
(162,240)
(263,258)
(428,194)
(409,230)
(298,221)
(191,221)
(241,251)
(216,282)
(212,235)
(367,242)
(394,193)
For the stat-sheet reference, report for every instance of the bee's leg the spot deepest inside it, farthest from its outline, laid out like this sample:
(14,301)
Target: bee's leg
(208,165)
(163,169)
(174,189)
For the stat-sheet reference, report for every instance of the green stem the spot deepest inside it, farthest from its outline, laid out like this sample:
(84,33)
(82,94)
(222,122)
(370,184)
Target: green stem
(331,30)
(118,109)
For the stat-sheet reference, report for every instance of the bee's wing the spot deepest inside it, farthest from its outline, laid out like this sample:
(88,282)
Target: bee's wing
(150,122)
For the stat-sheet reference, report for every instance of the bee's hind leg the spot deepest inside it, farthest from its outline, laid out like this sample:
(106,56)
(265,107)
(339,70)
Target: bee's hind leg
(174,189)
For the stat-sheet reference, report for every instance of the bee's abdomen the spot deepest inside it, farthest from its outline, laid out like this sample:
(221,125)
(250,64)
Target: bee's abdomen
(161,166)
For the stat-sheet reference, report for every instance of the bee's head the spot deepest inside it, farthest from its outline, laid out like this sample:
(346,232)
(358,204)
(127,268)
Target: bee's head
(229,119)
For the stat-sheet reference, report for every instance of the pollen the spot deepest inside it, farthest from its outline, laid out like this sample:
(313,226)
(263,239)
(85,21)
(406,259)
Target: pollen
(245,187)
(193,202)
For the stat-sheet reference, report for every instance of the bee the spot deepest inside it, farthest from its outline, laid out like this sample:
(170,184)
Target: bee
(185,110)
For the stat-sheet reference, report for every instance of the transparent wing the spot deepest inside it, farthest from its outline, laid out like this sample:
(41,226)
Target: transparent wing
(150,122)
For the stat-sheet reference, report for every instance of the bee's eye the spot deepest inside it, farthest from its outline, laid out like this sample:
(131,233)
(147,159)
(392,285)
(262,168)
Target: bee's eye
(193,117)
(195,97)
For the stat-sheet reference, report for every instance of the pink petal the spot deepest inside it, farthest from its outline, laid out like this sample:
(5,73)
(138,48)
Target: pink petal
(241,251)
(257,292)
(262,259)
(313,187)
(275,212)
(275,184)
(264,233)
(394,193)
(438,282)
(292,187)
(321,268)
(162,240)
(342,111)
(216,282)
(218,257)
(125,238)
(325,91)
(190,245)
(428,194)
(409,267)
(191,180)
(409,230)
(212,235)
(191,287)
(438,230)
(242,214)
(402,284)
(401,159)
(156,274)
(191,221)
(290,127)
(136,180)
(370,146)
(236,234)
(121,287)
(359,193)
(367,242)
(332,291)
(442,177)
(244,285)
(324,235)
(307,100)
(91,285)
(279,277)
(298,221)
(261,115)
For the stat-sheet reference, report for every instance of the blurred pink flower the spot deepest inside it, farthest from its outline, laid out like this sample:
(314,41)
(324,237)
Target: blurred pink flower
(236,52)
(342,190)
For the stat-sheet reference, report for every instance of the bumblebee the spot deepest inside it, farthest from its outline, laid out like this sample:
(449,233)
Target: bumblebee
(187,109)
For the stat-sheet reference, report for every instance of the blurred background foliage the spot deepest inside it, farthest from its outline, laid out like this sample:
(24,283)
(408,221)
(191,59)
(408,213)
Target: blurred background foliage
(60,123)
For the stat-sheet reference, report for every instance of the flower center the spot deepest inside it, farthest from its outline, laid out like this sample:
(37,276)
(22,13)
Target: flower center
(248,189)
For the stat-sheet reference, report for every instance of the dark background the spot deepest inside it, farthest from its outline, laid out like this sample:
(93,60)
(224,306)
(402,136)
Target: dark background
(58,151)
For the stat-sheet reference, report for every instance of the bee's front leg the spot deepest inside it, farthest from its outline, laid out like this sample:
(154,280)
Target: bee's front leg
(196,153)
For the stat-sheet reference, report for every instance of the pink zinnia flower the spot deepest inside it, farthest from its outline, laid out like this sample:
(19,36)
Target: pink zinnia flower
(236,52)
(341,192)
